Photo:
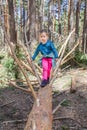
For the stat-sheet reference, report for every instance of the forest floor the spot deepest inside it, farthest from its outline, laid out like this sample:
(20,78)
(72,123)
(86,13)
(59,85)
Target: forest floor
(71,114)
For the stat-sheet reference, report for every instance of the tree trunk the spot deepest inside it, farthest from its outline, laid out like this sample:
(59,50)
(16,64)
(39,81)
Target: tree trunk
(70,15)
(6,18)
(40,117)
(77,18)
(84,42)
(31,19)
(71,23)
(13,36)
(59,24)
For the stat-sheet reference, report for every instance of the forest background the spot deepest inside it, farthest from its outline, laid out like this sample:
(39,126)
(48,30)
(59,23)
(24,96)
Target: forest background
(20,23)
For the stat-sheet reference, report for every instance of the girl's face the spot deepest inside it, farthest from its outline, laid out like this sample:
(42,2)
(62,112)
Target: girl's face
(43,37)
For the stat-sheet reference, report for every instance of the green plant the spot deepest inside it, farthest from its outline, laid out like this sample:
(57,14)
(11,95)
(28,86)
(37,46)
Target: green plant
(9,64)
(65,103)
(81,57)
(65,128)
(1,57)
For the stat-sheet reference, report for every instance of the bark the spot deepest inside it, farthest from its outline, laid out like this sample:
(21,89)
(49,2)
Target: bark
(84,42)
(31,20)
(71,23)
(40,117)
(59,16)
(73,85)
(77,18)
(6,18)
(13,37)
(70,15)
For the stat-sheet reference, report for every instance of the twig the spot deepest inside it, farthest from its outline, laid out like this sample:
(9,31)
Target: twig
(21,80)
(17,61)
(64,61)
(71,51)
(27,67)
(29,50)
(26,90)
(13,121)
(26,53)
(38,68)
(7,103)
(62,118)
(59,105)
(28,57)
(59,61)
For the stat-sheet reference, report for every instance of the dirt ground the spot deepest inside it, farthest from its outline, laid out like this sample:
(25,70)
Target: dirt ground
(15,105)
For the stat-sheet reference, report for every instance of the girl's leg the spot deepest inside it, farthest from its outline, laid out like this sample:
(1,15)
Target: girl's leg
(49,67)
(45,68)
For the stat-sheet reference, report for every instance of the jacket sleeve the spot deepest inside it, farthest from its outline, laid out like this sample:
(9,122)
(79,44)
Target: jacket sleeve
(36,52)
(55,52)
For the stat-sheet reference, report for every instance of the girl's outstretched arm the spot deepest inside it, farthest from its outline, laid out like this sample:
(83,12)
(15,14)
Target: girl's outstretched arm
(36,52)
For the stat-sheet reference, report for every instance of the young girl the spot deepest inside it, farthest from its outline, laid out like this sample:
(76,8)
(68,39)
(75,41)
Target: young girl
(49,52)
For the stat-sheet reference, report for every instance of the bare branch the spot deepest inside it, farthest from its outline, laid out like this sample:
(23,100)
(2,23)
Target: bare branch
(26,90)
(32,63)
(59,61)
(17,61)
(71,51)
(59,105)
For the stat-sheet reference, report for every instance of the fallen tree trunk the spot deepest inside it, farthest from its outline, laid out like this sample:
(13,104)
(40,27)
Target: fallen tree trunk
(40,117)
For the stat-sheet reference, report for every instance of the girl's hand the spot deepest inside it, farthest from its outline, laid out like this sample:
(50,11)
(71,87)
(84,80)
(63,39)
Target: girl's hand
(56,59)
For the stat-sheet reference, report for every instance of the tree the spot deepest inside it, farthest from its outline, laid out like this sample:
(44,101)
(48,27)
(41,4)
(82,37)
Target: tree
(59,16)
(71,23)
(12,29)
(77,17)
(84,41)
(31,19)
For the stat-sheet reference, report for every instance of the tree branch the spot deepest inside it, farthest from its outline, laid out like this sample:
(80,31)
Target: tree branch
(59,61)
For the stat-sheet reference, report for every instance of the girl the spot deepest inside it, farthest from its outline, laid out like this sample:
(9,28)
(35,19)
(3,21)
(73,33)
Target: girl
(49,52)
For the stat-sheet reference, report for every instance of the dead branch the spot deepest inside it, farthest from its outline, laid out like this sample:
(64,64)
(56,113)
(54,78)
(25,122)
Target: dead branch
(17,61)
(27,67)
(40,70)
(59,105)
(7,103)
(70,118)
(71,51)
(28,58)
(26,53)
(59,61)
(13,84)
(62,118)
(66,60)
(21,80)
(29,50)
(33,82)
(13,121)
(73,85)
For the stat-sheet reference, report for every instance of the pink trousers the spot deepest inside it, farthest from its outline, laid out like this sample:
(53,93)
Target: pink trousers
(46,66)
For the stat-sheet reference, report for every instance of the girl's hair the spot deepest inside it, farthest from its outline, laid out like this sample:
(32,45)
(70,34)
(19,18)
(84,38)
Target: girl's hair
(45,31)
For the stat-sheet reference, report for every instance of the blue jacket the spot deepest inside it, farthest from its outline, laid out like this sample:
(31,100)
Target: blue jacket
(47,50)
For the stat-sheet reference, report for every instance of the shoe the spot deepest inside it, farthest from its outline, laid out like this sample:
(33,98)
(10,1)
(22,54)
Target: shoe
(44,83)
(48,80)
